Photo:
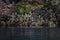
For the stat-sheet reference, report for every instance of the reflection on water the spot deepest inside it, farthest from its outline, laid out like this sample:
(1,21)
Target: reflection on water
(29,34)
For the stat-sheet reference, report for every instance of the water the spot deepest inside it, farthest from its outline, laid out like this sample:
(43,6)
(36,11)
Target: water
(30,34)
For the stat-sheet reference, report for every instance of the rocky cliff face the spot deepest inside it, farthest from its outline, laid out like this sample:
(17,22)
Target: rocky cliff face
(6,7)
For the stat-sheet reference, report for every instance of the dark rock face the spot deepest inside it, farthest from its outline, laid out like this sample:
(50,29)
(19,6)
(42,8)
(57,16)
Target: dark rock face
(10,1)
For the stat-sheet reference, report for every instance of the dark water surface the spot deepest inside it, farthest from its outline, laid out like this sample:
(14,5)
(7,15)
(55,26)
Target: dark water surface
(30,34)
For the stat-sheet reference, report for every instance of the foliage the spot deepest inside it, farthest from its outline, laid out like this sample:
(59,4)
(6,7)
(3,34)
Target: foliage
(21,7)
(27,10)
(40,6)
